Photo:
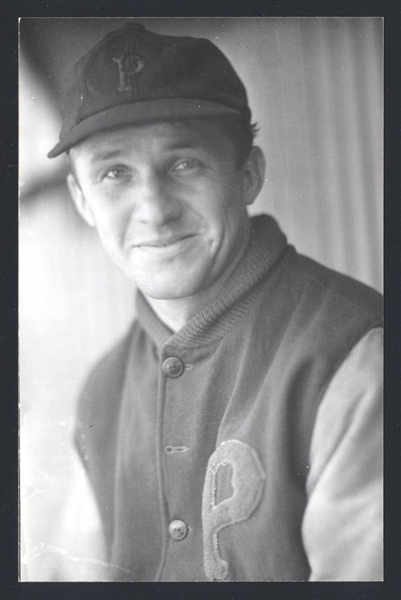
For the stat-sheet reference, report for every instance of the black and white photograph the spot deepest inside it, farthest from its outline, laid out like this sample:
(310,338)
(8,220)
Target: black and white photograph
(200,299)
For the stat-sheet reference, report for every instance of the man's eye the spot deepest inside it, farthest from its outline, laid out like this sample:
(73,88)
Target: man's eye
(189,163)
(116,173)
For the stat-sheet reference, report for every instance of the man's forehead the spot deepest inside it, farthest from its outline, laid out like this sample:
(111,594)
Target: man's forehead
(183,133)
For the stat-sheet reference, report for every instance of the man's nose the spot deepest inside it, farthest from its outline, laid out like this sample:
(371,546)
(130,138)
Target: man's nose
(156,202)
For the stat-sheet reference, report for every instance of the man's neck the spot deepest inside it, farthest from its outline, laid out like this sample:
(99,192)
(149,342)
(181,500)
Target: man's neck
(174,313)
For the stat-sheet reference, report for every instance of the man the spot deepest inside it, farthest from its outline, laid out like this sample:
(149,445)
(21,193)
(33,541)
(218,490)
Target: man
(234,434)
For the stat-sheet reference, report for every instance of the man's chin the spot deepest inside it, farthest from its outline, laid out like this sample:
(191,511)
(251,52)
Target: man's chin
(166,292)
(173,287)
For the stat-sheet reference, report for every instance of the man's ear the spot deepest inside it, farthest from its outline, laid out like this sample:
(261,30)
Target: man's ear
(254,173)
(79,200)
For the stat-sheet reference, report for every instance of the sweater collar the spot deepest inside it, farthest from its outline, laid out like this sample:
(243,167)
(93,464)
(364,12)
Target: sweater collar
(265,247)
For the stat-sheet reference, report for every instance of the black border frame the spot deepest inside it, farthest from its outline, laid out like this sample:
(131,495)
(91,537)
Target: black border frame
(11,10)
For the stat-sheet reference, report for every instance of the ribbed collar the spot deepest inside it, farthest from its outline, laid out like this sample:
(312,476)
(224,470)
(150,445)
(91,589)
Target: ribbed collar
(266,245)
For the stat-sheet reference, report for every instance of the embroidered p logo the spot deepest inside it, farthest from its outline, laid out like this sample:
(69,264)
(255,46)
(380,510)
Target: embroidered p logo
(247,482)
(128,66)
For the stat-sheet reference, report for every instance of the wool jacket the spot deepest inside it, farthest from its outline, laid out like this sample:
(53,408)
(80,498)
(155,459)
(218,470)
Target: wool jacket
(197,444)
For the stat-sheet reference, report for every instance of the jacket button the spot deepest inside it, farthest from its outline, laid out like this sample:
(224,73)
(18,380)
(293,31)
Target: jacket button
(173,367)
(178,529)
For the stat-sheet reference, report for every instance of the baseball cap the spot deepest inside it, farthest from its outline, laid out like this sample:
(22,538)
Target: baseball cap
(134,75)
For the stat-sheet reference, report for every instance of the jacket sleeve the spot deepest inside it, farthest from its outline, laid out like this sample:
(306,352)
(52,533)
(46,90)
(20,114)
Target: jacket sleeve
(343,522)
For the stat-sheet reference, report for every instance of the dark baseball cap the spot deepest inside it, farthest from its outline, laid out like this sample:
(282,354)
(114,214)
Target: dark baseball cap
(133,75)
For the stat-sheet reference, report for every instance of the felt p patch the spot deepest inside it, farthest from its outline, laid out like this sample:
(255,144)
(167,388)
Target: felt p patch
(247,483)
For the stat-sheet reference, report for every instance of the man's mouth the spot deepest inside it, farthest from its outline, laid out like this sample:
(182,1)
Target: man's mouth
(163,242)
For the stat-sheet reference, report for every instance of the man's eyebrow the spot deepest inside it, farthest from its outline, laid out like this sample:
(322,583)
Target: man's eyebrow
(184,145)
(101,156)
(105,155)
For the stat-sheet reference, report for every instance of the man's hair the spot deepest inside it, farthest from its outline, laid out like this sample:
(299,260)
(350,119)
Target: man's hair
(242,135)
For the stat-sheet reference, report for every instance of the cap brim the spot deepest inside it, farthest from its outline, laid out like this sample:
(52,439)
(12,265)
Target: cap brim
(140,112)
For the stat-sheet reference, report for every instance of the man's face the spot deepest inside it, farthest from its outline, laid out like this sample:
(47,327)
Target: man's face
(169,203)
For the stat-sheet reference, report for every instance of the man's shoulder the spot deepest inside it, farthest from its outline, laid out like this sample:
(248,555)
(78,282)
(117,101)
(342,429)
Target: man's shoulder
(303,280)
(334,287)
